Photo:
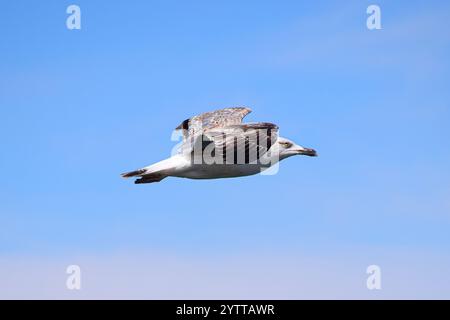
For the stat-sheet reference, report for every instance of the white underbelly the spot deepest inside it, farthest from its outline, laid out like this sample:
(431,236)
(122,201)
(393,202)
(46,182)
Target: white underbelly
(215,171)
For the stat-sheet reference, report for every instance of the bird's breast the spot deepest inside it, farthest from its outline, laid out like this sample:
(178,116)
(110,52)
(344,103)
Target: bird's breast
(214,171)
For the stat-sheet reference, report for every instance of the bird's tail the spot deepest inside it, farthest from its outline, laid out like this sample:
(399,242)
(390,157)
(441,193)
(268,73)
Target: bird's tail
(134,173)
(153,173)
(144,176)
(150,178)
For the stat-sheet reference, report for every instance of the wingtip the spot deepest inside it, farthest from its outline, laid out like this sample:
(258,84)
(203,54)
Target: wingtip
(184,125)
(244,108)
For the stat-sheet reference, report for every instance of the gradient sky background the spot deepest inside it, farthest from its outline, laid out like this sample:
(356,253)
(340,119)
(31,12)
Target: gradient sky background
(80,107)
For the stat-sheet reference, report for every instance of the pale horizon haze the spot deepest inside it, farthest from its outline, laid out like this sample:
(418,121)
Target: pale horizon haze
(80,107)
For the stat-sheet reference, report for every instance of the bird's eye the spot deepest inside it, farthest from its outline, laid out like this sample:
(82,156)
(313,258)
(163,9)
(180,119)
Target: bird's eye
(286,144)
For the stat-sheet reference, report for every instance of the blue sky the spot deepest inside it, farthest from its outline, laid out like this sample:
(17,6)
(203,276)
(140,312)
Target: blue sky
(79,107)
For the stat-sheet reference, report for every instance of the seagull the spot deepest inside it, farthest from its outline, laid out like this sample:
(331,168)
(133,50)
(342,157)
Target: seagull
(218,144)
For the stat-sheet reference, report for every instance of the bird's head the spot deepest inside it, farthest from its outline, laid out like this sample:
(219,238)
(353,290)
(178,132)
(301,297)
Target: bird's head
(288,148)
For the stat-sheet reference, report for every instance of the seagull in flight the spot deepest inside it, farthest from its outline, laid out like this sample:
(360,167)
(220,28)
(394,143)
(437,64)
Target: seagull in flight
(218,144)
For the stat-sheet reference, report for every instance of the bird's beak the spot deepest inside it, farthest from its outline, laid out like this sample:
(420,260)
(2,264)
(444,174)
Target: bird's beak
(307,152)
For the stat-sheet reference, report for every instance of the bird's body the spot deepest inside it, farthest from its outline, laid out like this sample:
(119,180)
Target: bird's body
(179,166)
(218,145)
(215,171)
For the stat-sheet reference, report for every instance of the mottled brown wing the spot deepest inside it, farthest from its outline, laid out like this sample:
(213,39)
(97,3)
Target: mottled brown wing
(212,120)
(243,143)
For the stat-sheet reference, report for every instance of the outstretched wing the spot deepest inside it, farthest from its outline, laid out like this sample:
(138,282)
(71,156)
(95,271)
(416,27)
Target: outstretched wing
(212,120)
(237,144)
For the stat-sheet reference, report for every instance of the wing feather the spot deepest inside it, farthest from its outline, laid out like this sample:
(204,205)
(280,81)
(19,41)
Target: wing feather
(247,143)
(212,120)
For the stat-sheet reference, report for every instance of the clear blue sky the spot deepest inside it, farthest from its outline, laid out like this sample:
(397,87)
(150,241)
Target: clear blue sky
(80,107)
